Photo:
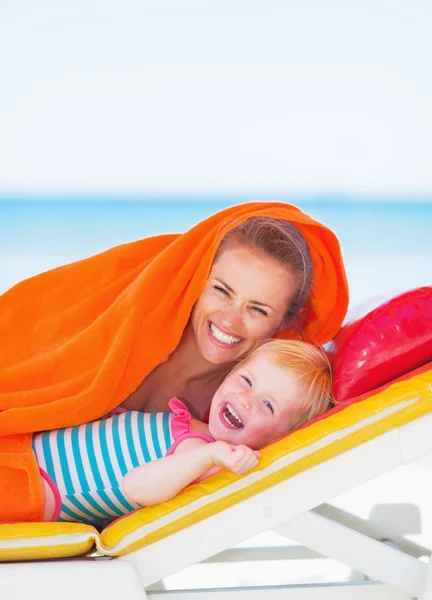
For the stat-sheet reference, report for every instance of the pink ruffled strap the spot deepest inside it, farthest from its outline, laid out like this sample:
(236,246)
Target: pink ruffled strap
(181,426)
(181,422)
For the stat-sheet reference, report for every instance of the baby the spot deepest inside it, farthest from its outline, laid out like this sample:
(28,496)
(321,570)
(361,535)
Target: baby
(107,468)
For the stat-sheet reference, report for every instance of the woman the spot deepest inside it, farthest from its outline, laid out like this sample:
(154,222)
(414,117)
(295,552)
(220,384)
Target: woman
(79,340)
(260,280)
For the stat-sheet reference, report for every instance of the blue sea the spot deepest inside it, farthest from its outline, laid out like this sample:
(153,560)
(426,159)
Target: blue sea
(387,245)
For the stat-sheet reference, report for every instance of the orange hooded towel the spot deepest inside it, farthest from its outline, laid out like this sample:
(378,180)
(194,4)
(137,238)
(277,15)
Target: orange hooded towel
(77,340)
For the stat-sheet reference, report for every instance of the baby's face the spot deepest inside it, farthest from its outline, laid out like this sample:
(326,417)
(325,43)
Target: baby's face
(255,404)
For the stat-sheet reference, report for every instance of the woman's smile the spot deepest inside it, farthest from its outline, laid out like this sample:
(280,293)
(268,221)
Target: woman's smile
(223,338)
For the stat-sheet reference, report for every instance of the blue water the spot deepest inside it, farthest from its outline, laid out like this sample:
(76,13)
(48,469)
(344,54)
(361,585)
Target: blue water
(387,246)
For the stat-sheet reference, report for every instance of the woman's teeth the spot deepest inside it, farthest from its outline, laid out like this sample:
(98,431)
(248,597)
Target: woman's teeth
(223,337)
(232,418)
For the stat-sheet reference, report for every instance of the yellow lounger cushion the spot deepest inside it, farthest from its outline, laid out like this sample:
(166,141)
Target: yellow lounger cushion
(396,405)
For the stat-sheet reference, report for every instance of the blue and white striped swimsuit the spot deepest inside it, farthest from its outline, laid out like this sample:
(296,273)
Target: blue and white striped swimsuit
(88,462)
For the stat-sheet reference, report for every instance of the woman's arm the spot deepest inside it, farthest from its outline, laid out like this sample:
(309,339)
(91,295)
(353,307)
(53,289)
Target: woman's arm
(162,479)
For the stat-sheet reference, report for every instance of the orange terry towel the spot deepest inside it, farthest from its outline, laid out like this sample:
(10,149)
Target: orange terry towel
(77,340)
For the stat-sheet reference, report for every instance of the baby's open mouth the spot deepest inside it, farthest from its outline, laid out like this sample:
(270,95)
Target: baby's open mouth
(231,417)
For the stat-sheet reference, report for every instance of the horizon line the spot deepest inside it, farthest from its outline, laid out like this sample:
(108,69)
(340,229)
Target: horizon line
(207,198)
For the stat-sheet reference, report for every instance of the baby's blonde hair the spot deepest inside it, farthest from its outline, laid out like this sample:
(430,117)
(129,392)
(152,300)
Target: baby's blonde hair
(308,364)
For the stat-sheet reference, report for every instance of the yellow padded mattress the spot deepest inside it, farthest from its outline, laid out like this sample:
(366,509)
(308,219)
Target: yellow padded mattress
(397,404)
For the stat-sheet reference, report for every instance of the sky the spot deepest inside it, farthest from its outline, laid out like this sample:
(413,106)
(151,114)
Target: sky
(215,97)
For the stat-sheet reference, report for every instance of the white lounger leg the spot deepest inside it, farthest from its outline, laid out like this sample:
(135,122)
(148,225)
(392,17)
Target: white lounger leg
(427,593)
(375,559)
(380,530)
(368,590)
(80,579)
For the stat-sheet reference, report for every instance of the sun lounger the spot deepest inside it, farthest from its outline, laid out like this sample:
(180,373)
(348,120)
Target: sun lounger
(287,493)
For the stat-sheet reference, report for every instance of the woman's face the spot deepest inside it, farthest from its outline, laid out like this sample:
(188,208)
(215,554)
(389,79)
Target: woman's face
(244,302)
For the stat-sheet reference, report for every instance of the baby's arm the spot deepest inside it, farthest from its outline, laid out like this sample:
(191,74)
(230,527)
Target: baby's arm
(162,479)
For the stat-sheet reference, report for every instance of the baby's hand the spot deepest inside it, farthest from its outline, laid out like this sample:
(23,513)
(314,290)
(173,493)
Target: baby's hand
(238,459)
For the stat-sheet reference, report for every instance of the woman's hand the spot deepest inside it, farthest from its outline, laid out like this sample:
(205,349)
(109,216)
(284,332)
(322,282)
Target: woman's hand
(238,459)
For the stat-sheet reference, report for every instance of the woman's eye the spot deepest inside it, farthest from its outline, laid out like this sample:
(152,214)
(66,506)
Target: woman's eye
(221,289)
(261,311)
(248,381)
(269,405)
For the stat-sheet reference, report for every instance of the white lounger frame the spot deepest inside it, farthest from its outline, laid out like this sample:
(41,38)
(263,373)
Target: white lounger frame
(294,507)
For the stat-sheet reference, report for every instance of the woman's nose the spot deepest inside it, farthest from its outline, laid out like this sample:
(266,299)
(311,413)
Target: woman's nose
(230,317)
